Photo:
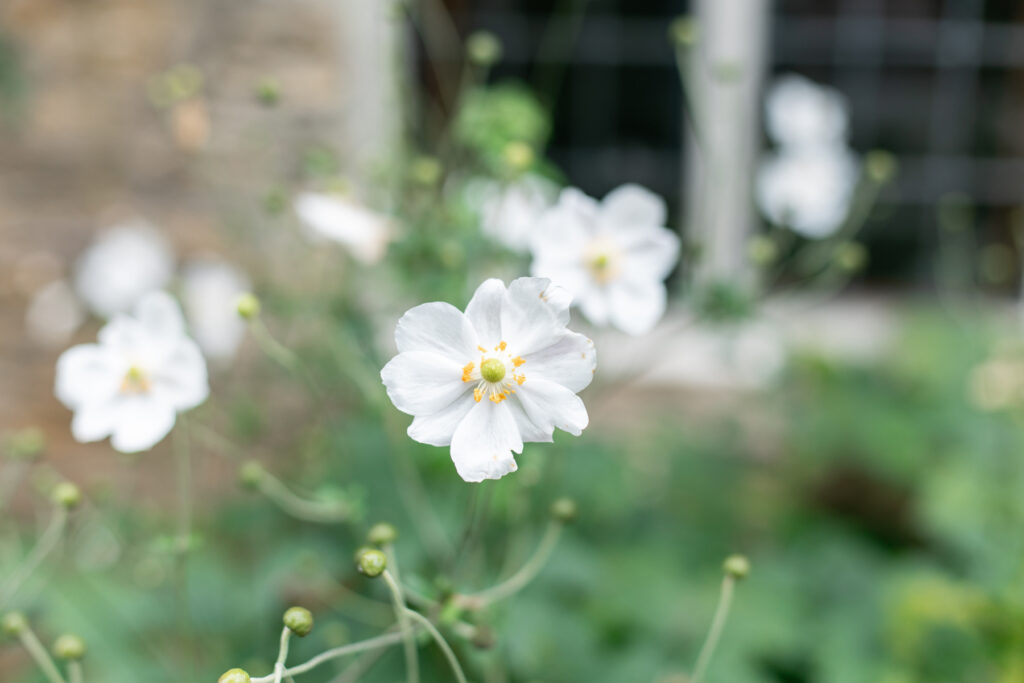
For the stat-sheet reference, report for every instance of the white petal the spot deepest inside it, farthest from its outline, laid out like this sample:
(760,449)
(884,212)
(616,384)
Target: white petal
(210,290)
(422,383)
(437,429)
(570,361)
(87,373)
(161,315)
(636,307)
(799,112)
(593,303)
(439,328)
(94,421)
(484,311)
(483,443)
(552,405)
(529,319)
(630,206)
(181,378)
(650,253)
(364,233)
(530,430)
(142,421)
(531,293)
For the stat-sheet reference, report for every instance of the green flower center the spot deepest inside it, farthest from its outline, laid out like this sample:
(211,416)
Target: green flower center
(135,381)
(492,370)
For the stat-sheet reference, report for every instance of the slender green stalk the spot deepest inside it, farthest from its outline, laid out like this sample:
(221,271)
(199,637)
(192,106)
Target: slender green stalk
(517,581)
(277,351)
(372,643)
(355,671)
(717,624)
(75,672)
(282,654)
(39,655)
(408,633)
(441,643)
(44,546)
(300,508)
(183,459)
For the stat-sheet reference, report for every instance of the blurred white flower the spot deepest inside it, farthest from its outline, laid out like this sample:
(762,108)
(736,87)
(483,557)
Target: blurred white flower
(613,256)
(808,190)
(210,291)
(485,381)
(53,314)
(509,212)
(132,384)
(801,113)
(121,265)
(363,232)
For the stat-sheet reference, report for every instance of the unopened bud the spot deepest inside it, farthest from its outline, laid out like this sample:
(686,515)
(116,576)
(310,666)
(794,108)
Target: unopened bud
(425,170)
(14,623)
(564,510)
(235,676)
(518,156)
(851,256)
(69,647)
(268,92)
(880,165)
(26,443)
(483,48)
(736,567)
(248,306)
(299,621)
(683,31)
(382,534)
(66,494)
(762,250)
(250,474)
(372,562)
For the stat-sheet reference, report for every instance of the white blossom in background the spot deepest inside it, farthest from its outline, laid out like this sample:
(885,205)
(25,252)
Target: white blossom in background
(53,314)
(809,190)
(509,212)
(131,385)
(121,265)
(613,256)
(364,233)
(801,113)
(483,382)
(210,289)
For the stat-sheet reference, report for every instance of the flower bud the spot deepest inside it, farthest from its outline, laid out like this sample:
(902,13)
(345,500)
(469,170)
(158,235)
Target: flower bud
(14,624)
(425,170)
(382,533)
(299,621)
(248,306)
(69,647)
(26,444)
(268,92)
(880,165)
(736,567)
(518,156)
(234,676)
(851,256)
(372,562)
(483,48)
(683,31)
(250,474)
(564,510)
(66,494)
(762,250)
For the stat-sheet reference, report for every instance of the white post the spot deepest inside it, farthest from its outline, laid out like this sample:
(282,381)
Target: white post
(726,75)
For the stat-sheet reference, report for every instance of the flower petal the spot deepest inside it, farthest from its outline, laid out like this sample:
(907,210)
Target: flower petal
(483,443)
(181,379)
(142,421)
(422,383)
(531,318)
(161,315)
(87,373)
(570,361)
(551,405)
(593,303)
(530,430)
(94,421)
(636,306)
(484,311)
(437,429)
(651,253)
(439,328)
(632,206)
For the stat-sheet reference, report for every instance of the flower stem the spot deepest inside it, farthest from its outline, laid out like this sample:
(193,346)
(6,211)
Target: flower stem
(75,672)
(526,573)
(369,644)
(183,459)
(441,643)
(39,655)
(47,542)
(277,351)
(408,635)
(282,654)
(300,508)
(717,624)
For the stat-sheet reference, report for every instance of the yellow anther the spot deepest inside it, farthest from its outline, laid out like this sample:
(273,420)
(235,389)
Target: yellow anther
(519,379)
(466,372)
(135,381)
(478,394)
(501,347)
(517,361)
(481,349)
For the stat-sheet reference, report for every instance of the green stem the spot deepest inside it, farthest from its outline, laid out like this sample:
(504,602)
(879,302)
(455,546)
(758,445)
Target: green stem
(525,575)
(40,656)
(441,643)
(408,634)
(717,624)
(183,459)
(307,510)
(47,542)
(277,352)
(75,672)
(282,654)
(370,644)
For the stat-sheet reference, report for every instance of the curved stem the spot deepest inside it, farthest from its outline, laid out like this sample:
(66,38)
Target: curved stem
(408,635)
(47,542)
(282,654)
(369,644)
(441,643)
(517,581)
(39,655)
(300,508)
(75,672)
(717,624)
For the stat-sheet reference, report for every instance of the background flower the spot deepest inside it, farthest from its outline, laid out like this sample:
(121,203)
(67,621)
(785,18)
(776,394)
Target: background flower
(808,190)
(363,232)
(210,289)
(510,212)
(799,112)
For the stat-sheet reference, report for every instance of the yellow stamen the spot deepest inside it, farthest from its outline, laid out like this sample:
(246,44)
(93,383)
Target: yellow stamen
(501,347)
(519,379)
(466,372)
(135,382)
(478,394)
(517,361)
(481,349)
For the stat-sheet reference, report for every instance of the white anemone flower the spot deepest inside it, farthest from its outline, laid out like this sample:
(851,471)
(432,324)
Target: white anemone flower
(505,372)
(808,191)
(509,212)
(613,256)
(210,291)
(364,233)
(131,385)
(801,113)
(122,265)
(54,314)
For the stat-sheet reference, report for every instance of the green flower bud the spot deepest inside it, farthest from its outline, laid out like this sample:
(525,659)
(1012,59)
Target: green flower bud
(483,48)
(683,31)
(880,165)
(250,474)
(762,250)
(248,306)
(564,510)
(66,494)
(275,201)
(372,562)
(234,676)
(736,566)
(26,444)
(14,624)
(519,156)
(69,647)
(382,534)
(851,256)
(268,92)
(425,170)
(299,621)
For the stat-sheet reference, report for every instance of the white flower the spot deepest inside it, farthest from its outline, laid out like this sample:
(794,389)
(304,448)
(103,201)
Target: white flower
(132,384)
(509,212)
(485,381)
(613,256)
(54,314)
(802,113)
(123,263)
(210,291)
(808,190)
(363,232)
